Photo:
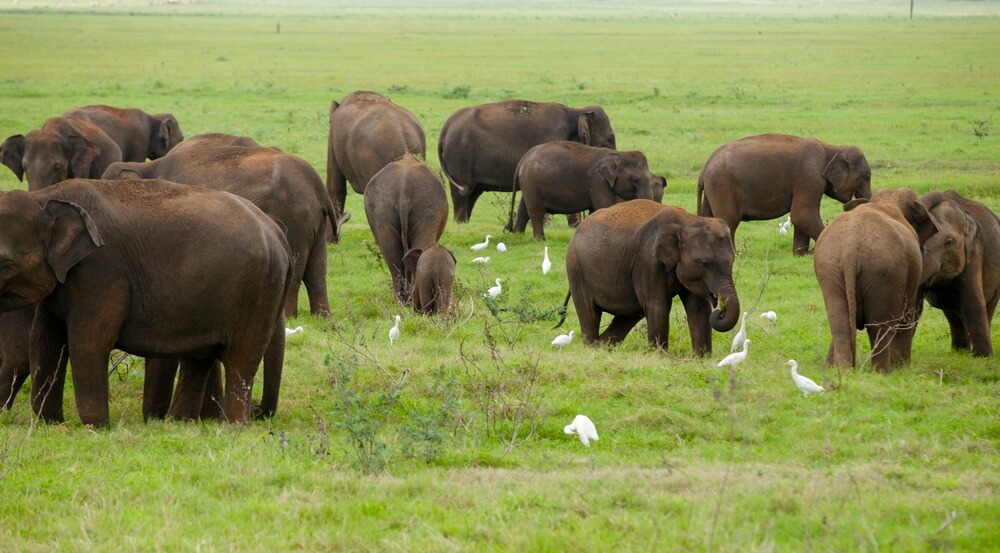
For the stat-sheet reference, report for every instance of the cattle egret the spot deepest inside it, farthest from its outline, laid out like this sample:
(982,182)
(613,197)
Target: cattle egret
(734,359)
(481,260)
(769,315)
(494,291)
(741,335)
(783,227)
(481,245)
(292,331)
(563,340)
(394,332)
(583,427)
(803,382)
(546,264)
(501,247)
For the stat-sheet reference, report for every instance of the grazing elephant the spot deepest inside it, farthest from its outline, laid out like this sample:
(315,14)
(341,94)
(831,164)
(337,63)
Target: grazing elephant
(284,186)
(367,132)
(481,145)
(633,258)
(63,148)
(869,263)
(15,328)
(966,284)
(433,273)
(407,211)
(569,177)
(769,175)
(101,259)
(138,134)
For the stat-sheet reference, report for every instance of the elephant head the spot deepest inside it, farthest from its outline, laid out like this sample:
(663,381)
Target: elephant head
(627,173)
(165,136)
(122,170)
(39,245)
(903,205)
(594,127)
(945,254)
(847,174)
(50,155)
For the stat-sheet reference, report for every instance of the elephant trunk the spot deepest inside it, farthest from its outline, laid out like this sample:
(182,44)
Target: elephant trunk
(727,312)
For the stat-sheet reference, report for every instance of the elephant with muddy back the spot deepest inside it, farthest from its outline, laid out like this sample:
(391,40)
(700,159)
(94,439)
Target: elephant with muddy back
(766,176)
(631,259)
(480,146)
(569,177)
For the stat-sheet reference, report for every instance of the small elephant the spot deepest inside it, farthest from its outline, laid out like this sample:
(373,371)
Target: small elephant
(766,176)
(367,132)
(138,134)
(967,288)
(433,273)
(101,260)
(407,211)
(15,329)
(480,146)
(284,186)
(869,264)
(569,177)
(658,252)
(63,148)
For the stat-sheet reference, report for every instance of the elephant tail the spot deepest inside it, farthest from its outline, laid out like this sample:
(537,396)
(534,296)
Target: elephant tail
(704,209)
(563,310)
(513,202)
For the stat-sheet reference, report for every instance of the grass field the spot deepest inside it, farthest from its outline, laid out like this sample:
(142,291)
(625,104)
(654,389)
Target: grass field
(452,440)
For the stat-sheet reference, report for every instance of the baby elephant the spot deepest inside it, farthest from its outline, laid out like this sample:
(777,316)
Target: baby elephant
(569,177)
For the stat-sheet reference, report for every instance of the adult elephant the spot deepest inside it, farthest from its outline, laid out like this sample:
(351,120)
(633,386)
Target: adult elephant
(138,134)
(284,186)
(869,263)
(407,211)
(659,252)
(367,132)
(966,284)
(100,259)
(481,146)
(569,177)
(15,329)
(63,148)
(769,175)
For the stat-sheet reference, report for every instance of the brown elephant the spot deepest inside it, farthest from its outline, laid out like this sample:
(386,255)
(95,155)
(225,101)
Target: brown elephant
(433,271)
(138,134)
(367,132)
(407,211)
(869,264)
(480,146)
(15,329)
(965,284)
(100,259)
(569,177)
(284,186)
(633,258)
(63,148)
(769,175)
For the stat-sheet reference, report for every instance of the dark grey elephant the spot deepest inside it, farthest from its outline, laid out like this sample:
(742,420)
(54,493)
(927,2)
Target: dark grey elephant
(569,177)
(658,252)
(284,186)
(407,211)
(367,132)
(15,329)
(481,146)
(769,175)
(138,134)
(63,148)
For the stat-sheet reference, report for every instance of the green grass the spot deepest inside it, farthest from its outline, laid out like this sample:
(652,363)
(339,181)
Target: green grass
(472,446)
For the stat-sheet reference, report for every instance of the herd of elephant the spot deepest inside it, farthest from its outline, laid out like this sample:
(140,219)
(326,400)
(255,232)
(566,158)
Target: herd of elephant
(108,250)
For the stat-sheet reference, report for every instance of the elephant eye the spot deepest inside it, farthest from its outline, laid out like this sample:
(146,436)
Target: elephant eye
(56,168)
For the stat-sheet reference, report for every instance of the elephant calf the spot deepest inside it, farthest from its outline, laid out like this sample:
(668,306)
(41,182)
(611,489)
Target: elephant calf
(569,177)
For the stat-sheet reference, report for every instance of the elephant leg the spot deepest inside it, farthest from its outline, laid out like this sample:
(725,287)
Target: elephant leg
(699,311)
(842,330)
(49,355)
(537,216)
(291,304)
(90,377)
(522,217)
(315,280)
(191,384)
(12,378)
(619,328)
(211,405)
(157,387)
(975,316)
(881,337)
(573,220)
(274,362)
(336,184)
(959,336)
(473,197)
(589,316)
(805,220)
(800,242)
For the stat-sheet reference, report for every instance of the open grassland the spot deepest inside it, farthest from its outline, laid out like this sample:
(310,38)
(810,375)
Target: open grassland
(452,439)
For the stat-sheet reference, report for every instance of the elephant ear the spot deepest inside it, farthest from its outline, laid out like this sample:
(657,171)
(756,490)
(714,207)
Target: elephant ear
(855,203)
(170,133)
(668,245)
(410,259)
(837,171)
(608,168)
(333,107)
(932,199)
(82,153)
(973,246)
(72,236)
(921,221)
(583,127)
(11,153)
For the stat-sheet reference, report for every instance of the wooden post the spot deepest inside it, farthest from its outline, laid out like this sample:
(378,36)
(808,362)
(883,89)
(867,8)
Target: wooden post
(911,9)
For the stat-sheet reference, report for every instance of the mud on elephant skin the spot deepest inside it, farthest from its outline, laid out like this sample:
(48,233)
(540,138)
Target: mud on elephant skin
(138,134)
(630,260)
(87,250)
(569,177)
(766,176)
(63,148)
(481,145)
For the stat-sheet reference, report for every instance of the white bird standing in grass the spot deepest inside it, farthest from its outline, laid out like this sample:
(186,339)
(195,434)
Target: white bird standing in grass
(769,315)
(741,335)
(583,427)
(734,359)
(494,291)
(563,340)
(546,264)
(803,382)
(481,260)
(289,332)
(501,247)
(481,245)
(783,227)
(394,332)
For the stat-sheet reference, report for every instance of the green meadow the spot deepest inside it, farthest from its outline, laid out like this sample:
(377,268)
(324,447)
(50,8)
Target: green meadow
(452,440)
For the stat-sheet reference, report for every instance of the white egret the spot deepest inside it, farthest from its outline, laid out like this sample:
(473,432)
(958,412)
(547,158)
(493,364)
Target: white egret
(546,264)
(741,335)
(803,382)
(494,291)
(394,332)
(769,315)
(501,247)
(584,428)
(292,331)
(783,227)
(563,340)
(481,245)
(481,260)
(734,359)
